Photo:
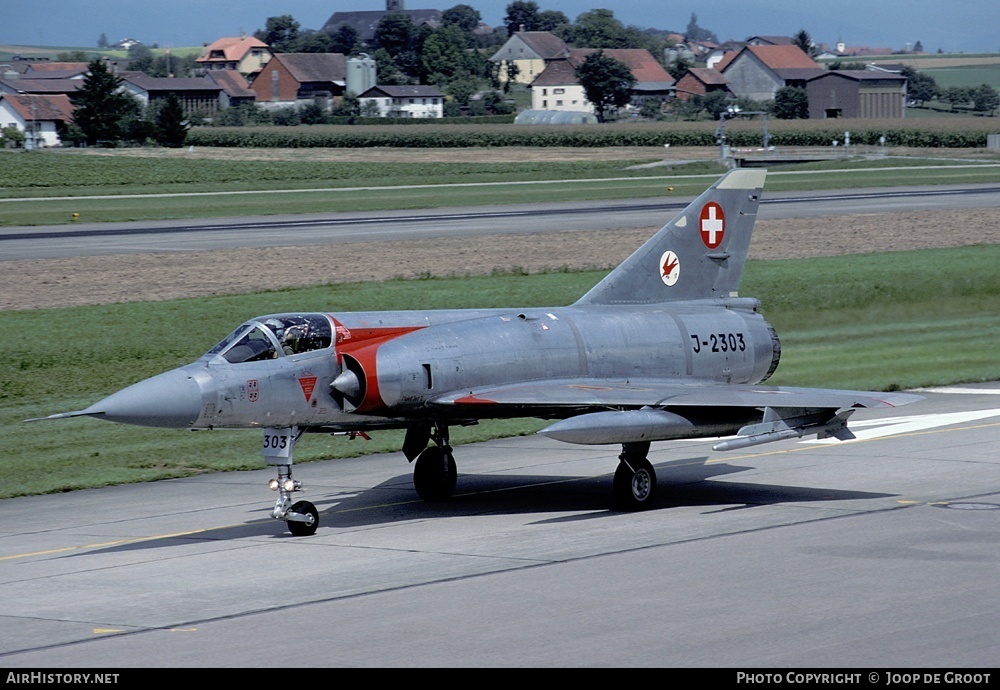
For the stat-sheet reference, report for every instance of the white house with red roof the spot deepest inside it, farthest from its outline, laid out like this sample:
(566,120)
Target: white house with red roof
(245,54)
(557,88)
(39,117)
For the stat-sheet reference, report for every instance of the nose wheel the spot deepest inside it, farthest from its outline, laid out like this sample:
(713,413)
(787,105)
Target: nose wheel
(302,517)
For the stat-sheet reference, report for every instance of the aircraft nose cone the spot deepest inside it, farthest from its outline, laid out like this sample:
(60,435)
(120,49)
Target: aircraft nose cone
(172,400)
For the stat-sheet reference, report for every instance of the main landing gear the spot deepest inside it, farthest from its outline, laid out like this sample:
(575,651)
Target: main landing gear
(635,479)
(301,516)
(435,472)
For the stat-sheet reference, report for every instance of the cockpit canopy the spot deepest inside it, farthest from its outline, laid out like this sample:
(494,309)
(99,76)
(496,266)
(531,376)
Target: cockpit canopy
(276,335)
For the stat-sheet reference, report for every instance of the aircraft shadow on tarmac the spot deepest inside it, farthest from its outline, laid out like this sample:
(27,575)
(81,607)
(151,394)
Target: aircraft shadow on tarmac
(686,482)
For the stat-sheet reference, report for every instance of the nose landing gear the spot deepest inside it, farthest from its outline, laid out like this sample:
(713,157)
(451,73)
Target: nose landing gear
(302,517)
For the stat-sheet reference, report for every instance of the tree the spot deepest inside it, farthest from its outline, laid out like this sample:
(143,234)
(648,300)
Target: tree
(102,42)
(606,82)
(464,17)
(140,59)
(791,103)
(512,71)
(344,40)
(315,42)
(679,66)
(918,47)
(521,13)
(395,33)
(171,124)
(552,20)
(280,33)
(444,54)
(805,43)
(387,70)
(919,87)
(696,33)
(956,95)
(599,29)
(985,99)
(101,108)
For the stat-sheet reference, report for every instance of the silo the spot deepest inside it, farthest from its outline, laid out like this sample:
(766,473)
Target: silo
(360,74)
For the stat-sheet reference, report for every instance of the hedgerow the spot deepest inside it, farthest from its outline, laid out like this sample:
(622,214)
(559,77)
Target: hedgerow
(968,133)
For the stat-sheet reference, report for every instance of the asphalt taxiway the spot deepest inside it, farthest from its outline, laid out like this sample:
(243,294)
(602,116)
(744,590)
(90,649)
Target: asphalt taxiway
(95,239)
(879,552)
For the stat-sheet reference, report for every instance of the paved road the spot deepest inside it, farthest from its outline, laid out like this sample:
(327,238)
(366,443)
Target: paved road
(881,552)
(267,231)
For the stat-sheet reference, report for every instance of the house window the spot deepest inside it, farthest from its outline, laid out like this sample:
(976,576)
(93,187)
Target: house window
(545,104)
(558,91)
(559,103)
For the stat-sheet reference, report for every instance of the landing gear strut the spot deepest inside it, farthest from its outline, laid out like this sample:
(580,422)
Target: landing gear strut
(302,516)
(635,479)
(435,472)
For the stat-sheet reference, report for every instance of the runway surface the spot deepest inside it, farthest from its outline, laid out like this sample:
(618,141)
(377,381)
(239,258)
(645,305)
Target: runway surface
(93,239)
(880,552)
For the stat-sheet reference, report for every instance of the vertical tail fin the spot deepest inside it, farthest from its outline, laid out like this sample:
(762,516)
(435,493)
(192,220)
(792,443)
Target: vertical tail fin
(697,255)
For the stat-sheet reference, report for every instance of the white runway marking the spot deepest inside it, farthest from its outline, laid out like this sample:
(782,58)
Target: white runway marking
(905,425)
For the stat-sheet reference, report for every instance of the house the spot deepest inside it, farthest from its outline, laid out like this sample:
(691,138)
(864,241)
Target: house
(405,101)
(364,23)
(39,117)
(41,87)
(557,88)
(245,54)
(56,70)
(531,52)
(196,94)
(235,88)
(700,81)
(770,41)
(291,79)
(757,72)
(856,93)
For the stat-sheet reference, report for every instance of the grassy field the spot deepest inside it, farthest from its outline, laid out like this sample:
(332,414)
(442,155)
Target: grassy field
(100,188)
(969,75)
(883,321)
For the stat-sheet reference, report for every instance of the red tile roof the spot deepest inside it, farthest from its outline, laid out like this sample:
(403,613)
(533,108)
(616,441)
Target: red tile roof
(233,48)
(708,76)
(782,57)
(644,66)
(35,107)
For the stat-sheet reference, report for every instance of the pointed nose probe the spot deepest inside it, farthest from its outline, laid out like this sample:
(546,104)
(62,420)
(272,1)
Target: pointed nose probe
(172,399)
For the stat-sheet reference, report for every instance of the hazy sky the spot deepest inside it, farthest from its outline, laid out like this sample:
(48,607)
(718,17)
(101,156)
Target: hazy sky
(951,25)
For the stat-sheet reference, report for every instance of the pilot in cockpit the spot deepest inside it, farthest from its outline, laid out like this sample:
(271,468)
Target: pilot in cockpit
(293,338)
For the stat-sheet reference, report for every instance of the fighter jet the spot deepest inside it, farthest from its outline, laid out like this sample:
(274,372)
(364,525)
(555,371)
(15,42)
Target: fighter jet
(662,348)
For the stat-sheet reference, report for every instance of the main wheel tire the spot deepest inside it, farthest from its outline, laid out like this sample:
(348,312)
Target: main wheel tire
(634,485)
(304,529)
(435,474)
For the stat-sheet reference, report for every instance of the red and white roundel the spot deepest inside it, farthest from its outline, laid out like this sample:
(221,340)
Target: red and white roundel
(670,268)
(712,224)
